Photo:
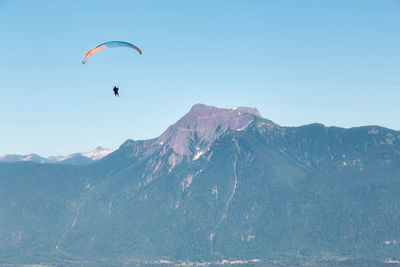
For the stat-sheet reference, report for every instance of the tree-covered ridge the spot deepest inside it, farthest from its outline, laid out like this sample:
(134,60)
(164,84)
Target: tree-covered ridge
(258,192)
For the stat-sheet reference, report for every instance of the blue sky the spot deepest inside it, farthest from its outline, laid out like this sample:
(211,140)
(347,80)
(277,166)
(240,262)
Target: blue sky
(334,62)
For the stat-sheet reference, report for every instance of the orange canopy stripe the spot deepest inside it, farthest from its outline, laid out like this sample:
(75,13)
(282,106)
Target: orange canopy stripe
(111,44)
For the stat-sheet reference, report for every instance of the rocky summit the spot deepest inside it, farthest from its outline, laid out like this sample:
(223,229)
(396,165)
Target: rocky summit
(220,186)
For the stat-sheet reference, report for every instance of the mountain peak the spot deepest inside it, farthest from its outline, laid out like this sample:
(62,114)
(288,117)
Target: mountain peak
(98,153)
(202,125)
(202,109)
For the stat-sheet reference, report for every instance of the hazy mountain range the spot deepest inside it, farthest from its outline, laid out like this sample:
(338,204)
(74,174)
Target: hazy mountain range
(76,158)
(220,186)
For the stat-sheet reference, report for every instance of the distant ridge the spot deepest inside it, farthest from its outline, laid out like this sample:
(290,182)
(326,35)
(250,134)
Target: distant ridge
(75,159)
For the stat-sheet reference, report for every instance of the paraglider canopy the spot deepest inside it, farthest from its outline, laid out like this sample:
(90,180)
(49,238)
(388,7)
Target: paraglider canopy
(111,44)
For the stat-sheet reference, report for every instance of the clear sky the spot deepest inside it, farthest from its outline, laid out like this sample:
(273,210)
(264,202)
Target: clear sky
(335,62)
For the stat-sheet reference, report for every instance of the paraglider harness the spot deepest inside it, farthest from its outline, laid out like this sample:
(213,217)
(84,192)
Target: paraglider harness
(115,89)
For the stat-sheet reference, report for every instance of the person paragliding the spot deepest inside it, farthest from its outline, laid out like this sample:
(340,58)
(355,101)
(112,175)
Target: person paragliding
(106,45)
(115,89)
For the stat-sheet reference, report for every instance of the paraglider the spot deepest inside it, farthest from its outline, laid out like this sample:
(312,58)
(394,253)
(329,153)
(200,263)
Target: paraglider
(111,44)
(106,45)
(115,89)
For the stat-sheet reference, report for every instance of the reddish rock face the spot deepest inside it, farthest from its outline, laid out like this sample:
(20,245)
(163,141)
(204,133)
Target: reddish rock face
(204,124)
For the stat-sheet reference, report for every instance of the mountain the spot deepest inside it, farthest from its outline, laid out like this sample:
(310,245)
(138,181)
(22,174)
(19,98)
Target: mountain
(74,159)
(220,186)
(16,158)
(84,158)
(98,153)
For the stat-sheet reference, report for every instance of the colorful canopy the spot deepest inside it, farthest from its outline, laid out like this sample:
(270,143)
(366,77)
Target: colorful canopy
(107,45)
